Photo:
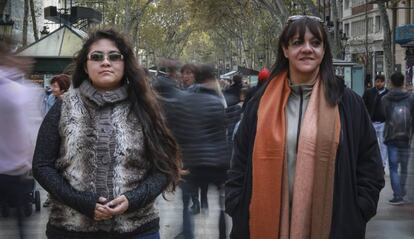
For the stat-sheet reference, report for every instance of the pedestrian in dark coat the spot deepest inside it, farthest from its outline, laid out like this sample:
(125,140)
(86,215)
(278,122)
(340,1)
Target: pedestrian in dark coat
(316,179)
(197,119)
(398,131)
(373,101)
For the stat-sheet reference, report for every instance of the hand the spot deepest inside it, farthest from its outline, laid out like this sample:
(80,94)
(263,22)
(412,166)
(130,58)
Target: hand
(101,211)
(117,206)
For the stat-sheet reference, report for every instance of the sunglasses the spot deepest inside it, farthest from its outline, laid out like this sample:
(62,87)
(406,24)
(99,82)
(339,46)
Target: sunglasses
(99,56)
(298,17)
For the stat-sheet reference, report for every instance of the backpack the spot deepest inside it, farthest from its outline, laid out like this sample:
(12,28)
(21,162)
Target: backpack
(400,122)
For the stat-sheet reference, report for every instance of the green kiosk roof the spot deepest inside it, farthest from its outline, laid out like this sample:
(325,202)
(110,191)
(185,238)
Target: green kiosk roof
(55,51)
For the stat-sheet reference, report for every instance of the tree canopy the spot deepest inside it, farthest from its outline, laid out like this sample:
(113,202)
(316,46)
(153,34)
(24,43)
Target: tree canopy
(231,32)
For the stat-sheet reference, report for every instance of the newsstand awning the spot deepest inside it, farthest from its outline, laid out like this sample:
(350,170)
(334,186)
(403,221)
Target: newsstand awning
(55,51)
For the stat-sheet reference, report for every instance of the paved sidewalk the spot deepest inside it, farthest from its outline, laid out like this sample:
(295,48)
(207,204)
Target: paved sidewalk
(391,222)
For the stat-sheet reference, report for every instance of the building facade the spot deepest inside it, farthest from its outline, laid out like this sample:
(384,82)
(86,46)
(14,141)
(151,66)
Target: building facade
(363,25)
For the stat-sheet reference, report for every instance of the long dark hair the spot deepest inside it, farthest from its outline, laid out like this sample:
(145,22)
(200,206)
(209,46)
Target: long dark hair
(334,87)
(161,148)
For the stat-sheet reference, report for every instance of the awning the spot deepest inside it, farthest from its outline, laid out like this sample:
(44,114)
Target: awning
(55,51)
(228,75)
(63,42)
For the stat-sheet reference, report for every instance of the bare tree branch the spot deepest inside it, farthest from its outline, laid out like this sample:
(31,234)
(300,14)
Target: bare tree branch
(34,22)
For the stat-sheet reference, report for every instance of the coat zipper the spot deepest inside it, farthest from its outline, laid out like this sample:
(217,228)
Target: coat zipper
(300,117)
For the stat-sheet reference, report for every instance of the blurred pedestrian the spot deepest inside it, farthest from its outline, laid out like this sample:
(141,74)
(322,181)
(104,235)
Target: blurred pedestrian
(206,82)
(20,117)
(261,79)
(197,118)
(232,93)
(316,179)
(104,153)
(399,112)
(58,85)
(208,160)
(373,101)
(165,83)
(188,72)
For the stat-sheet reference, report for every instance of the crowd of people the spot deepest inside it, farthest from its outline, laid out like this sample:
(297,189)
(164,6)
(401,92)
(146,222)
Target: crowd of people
(299,155)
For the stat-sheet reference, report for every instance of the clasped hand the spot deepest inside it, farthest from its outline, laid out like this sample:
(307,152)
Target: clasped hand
(106,210)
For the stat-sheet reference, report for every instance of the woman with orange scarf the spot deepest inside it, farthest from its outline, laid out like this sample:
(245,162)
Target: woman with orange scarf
(306,162)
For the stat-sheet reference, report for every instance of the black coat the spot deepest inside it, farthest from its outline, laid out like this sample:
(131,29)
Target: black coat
(359,175)
(198,123)
(373,101)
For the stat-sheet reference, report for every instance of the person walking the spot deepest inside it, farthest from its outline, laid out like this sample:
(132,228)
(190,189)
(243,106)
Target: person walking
(104,152)
(306,162)
(58,86)
(188,73)
(399,112)
(233,92)
(20,117)
(373,101)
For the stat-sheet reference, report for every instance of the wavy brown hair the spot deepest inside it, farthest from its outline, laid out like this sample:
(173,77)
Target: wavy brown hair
(161,148)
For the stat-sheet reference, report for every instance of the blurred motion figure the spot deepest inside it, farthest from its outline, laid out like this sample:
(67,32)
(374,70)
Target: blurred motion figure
(20,118)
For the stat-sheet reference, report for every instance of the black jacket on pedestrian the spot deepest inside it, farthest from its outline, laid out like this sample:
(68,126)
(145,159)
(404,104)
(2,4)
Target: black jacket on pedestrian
(359,176)
(198,122)
(372,99)
(232,94)
(398,106)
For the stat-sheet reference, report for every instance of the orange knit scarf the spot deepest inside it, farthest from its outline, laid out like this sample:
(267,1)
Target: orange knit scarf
(313,187)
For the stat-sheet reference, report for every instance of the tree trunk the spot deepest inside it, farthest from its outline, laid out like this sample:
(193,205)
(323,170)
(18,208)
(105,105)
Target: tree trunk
(313,9)
(25,21)
(3,4)
(34,23)
(127,17)
(389,65)
(336,46)
(135,39)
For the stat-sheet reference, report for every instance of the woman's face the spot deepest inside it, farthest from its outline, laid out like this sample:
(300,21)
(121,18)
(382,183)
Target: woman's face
(105,65)
(304,56)
(188,78)
(56,89)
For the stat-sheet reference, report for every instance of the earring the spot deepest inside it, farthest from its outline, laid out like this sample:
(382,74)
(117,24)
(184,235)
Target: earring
(127,81)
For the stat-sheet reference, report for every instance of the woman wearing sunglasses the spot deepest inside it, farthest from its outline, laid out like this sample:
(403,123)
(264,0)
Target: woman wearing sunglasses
(306,162)
(104,153)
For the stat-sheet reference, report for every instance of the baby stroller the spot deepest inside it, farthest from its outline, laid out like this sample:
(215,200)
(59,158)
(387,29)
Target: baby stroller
(24,197)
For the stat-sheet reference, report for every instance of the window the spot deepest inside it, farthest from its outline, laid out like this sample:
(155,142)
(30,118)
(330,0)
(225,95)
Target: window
(347,29)
(358,28)
(370,25)
(357,2)
(346,4)
(378,23)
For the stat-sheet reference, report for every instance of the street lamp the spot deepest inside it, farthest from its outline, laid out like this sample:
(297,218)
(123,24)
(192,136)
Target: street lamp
(344,41)
(233,60)
(246,57)
(44,32)
(151,59)
(6,27)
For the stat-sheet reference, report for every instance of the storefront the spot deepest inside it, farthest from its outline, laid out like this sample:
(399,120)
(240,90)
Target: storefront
(404,36)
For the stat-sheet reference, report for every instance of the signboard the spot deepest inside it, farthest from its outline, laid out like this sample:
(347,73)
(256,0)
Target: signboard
(404,34)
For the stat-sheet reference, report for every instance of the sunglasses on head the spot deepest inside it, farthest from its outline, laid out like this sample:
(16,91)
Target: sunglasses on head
(99,56)
(298,17)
